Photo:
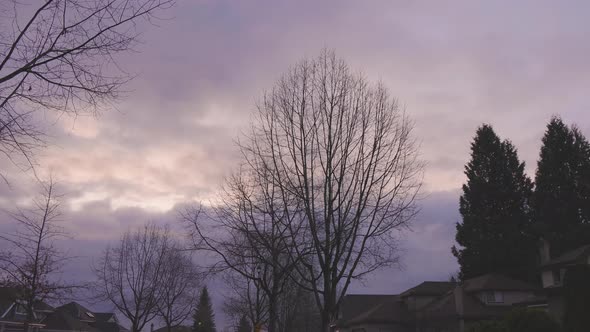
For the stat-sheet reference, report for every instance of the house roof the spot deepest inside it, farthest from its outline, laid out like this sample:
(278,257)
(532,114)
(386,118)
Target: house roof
(388,310)
(569,257)
(10,295)
(473,308)
(446,307)
(494,281)
(430,288)
(103,316)
(354,305)
(180,328)
(63,320)
(78,311)
(75,317)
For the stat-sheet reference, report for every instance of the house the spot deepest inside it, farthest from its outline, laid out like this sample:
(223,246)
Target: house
(13,312)
(487,297)
(75,317)
(553,272)
(373,313)
(437,306)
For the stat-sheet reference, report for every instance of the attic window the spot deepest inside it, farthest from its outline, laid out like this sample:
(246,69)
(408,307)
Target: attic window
(556,277)
(89,314)
(20,309)
(494,297)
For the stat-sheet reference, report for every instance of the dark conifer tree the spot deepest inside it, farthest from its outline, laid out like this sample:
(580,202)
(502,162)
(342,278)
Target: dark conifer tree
(204,317)
(494,235)
(244,325)
(561,201)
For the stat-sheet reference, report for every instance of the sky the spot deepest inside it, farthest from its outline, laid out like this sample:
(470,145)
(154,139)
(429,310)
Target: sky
(170,140)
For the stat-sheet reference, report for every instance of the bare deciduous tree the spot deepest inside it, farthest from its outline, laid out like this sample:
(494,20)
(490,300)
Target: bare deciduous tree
(180,287)
(60,55)
(130,275)
(32,262)
(245,300)
(339,157)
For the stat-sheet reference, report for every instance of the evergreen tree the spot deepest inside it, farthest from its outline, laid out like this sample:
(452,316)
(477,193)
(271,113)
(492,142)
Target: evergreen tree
(244,325)
(561,201)
(204,317)
(494,234)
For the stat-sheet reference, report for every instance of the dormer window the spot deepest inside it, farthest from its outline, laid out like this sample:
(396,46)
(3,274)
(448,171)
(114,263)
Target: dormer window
(494,297)
(20,309)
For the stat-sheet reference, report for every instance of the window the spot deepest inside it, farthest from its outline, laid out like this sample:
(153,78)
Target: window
(494,297)
(556,277)
(20,310)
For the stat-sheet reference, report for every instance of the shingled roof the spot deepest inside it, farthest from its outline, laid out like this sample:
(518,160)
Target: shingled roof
(495,281)
(354,305)
(571,257)
(429,288)
(386,309)
(75,317)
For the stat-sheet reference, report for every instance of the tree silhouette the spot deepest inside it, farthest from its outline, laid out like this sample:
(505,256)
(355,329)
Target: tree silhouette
(494,232)
(561,201)
(204,317)
(244,325)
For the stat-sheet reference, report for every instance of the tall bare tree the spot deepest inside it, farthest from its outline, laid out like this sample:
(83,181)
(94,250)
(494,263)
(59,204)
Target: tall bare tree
(31,261)
(60,55)
(179,287)
(338,154)
(131,274)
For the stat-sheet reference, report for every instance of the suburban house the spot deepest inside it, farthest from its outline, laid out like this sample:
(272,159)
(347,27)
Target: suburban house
(66,318)
(13,312)
(75,317)
(553,272)
(454,307)
(437,306)
(487,297)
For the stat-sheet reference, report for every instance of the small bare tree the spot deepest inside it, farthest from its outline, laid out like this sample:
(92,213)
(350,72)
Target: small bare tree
(338,155)
(249,232)
(245,300)
(131,274)
(60,55)
(180,287)
(31,261)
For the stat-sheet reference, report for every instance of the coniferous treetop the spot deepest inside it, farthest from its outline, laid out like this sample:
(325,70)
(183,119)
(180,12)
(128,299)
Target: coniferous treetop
(561,201)
(204,317)
(494,233)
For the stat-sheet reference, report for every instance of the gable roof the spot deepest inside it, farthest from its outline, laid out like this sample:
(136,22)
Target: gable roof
(9,296)
(63,320)
(570,257)
(494,281)
(356,304)
(180,328)
(430,288)
(446,307)
(78,311)
(387,310)
(75,317)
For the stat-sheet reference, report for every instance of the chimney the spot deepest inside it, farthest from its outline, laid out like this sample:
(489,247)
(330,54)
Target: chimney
(460,310)
(544,251)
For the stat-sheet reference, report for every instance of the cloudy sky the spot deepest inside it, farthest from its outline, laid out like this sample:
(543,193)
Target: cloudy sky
(453,64)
